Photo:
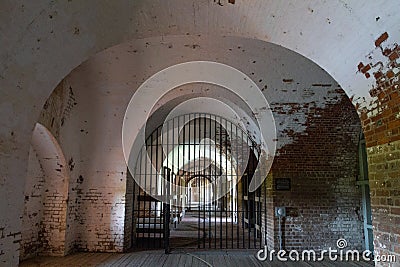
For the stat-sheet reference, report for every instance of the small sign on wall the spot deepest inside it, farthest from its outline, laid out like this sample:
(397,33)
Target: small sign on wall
(282,184)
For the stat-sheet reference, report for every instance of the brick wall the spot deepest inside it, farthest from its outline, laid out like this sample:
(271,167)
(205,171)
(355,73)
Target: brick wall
(381,124)
(46,194)
(101,220)
(381,120)
(31,243)
(324,203)
(97,187)
(267,218)
(89,213)
(384,169)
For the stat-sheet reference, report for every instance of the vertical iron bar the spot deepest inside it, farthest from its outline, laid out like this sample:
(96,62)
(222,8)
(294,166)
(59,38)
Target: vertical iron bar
(156,174)
(222,198)
(226,183)
(244,181)
(255,203)
(141,193)
(148,217)
(183,151)
(232,182)
(159,166)
(174,206)
(168,186)
(178,169)
(160,181)
(199,179)
(133,234)
(213,184)
(248,195)
(204,171)
(151,181)
(265,210)
(239,159)
(162,189)
(167,212)
(138,196)
(216,187)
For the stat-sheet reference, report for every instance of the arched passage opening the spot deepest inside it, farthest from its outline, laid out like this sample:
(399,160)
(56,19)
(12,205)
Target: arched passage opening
(196,198)
(197,168)
(99,155)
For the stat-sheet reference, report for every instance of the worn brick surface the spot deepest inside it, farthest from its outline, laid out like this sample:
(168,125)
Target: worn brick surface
(381,124)
(324,203)
(384,174)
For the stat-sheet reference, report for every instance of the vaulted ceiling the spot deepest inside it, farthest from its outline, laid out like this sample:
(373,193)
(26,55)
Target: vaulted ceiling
(43,41)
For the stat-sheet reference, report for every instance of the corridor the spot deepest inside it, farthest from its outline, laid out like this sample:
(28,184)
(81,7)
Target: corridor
(208,128)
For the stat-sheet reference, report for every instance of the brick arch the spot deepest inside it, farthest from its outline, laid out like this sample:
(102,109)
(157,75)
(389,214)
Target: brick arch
(46,194)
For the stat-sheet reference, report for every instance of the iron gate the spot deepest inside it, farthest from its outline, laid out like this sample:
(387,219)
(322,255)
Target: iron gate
(193,176)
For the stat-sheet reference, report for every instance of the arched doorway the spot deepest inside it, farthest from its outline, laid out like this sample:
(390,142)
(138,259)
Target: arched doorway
(192,186)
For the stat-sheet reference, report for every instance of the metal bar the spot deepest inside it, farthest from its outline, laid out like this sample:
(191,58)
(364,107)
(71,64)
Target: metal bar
(248,194)
(178,167)
(254,203)
(167,212)
(198,181)
(249,199)
(143,150)
(196,172)
(232,182)
(151,179)
(211,204)
(162,188)
(226,182)
(222,204)
(244,181)
(204,171)
(265,211)
(133,234)
(215,177)
(184,149)
(159,168)
(168,187)
(172,166)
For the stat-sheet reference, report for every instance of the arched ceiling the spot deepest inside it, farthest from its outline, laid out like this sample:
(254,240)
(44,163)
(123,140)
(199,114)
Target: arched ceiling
(282,75)
(46,39)
(42,41)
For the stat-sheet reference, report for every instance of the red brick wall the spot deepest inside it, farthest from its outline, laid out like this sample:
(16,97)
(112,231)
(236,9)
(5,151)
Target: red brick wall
(324,203)
(384,173)
(381,124)
(381,120)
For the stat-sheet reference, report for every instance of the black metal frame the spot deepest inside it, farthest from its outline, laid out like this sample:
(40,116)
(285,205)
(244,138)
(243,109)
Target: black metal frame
(232,221)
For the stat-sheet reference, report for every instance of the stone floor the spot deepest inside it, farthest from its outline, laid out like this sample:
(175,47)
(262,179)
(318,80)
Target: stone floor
(158,258)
